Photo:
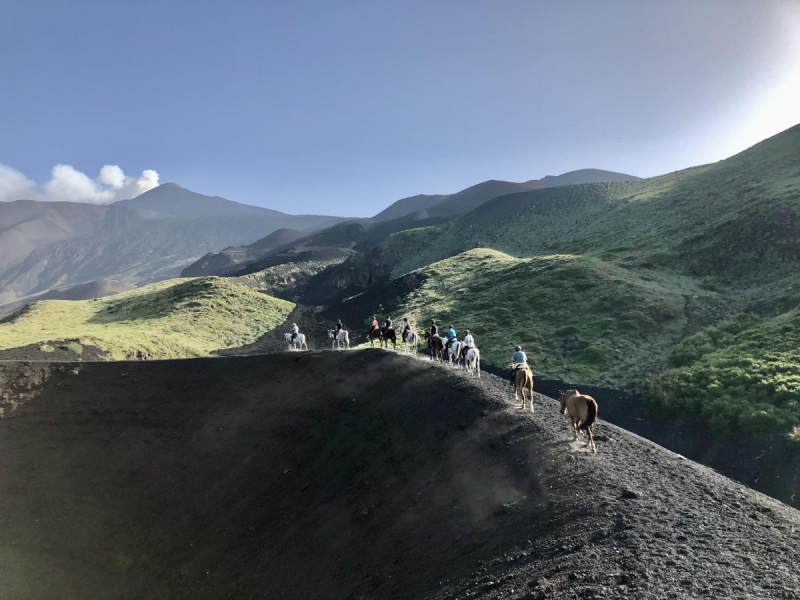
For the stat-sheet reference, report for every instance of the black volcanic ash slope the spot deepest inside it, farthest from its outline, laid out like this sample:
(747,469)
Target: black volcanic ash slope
(353,474)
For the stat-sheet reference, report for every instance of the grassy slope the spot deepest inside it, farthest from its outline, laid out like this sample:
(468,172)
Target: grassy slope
(287,280)
(724,237)
(738,219)
(743,373)
(171,319)
(578,318)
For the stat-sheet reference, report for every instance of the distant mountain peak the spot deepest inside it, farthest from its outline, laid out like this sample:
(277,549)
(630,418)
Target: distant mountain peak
(470,198)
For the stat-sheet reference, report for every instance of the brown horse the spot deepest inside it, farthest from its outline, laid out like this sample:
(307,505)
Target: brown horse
(435,346)
(582,413)
(523,378)
(372,335)
(389,335)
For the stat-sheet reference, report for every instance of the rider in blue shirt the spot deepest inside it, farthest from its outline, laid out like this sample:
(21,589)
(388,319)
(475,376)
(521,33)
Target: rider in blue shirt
(519,361)
(451,337)
(519,357)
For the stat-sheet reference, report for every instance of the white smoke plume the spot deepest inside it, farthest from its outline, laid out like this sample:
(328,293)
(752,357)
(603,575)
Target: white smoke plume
(67,184)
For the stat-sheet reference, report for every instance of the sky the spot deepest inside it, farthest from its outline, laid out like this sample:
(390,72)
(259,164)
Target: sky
(343,107)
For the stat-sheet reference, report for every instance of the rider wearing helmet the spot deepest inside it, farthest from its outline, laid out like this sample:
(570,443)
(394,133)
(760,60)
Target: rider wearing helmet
(374,322)
(434,329)
(519,361)
(406,328)
(451,337)
(295,330)
(519,357)
(469,342)
(338,326)
(388,324)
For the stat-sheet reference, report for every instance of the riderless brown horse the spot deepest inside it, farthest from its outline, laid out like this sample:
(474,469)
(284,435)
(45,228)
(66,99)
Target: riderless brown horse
(435,346)
(582,413)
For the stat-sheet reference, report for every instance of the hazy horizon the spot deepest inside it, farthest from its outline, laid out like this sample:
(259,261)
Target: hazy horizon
(316,108)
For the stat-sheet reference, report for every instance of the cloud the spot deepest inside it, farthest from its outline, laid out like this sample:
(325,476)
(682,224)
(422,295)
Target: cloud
(67,184)
(14,185)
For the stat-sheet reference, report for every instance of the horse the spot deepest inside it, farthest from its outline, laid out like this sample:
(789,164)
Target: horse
(299,341)
(454,354)
(523,378)
(473,362)
(372,335)
(410,343)
(582,413)
(388,335)
(339,339)
(435,346)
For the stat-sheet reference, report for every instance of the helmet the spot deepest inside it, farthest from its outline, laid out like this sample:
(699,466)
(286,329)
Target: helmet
(518,348)
(466,331)
(451,326)
(432,321)
(294,324)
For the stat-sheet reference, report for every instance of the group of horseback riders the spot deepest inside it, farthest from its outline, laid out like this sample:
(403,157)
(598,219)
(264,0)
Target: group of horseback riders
(451,338)
(519,359)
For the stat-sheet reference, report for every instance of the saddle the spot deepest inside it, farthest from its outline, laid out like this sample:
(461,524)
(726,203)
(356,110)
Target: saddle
(517,367)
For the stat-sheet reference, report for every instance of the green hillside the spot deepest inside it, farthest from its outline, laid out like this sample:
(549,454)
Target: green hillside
(171,319)
(738,220)
(579,318)
(634,285)
(289,279)
(743,373)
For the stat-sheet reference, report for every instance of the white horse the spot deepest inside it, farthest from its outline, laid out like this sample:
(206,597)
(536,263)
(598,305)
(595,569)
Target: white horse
(339,339)
(454,354)
(299,342)
(473,362)
(410,343)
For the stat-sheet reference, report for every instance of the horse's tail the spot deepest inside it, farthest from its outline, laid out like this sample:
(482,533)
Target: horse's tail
(591,414)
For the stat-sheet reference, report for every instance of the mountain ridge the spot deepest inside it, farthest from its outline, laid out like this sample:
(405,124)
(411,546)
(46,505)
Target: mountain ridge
(150,237)
(450,205)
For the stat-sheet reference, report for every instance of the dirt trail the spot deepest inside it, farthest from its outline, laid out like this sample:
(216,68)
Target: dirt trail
(355,474)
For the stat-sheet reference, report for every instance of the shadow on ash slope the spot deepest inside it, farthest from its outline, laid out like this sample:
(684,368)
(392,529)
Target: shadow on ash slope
(355,474)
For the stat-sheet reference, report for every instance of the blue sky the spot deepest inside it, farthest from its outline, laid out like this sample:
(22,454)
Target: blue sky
(343,107)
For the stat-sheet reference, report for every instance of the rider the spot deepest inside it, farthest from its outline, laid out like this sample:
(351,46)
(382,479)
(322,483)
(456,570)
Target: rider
(406,328)
(374,323)
(295,330)
(388,324)
(338,327)
(434,329)
(469,342)
(451,337)
(519,360)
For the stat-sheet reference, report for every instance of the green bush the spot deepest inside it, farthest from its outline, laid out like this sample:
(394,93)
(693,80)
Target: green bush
(741,375)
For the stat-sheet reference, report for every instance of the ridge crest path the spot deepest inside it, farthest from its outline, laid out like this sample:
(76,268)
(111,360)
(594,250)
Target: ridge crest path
(354,474)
